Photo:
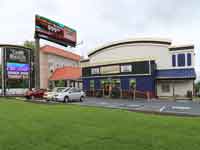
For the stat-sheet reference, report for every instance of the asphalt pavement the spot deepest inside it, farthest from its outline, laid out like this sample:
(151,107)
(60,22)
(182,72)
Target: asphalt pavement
(179,107)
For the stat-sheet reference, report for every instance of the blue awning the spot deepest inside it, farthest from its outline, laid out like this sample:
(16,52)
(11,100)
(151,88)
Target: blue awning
(176,74)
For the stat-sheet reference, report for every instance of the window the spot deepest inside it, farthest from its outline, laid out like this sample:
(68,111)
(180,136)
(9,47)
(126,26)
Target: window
(72,90)
(66,90)
(95,71)
(50,64)
(78,90)
(91,84)
(126,68)
(165,88)
(189,59)
(60,83)
(181,60)
(173,60)
(75,90)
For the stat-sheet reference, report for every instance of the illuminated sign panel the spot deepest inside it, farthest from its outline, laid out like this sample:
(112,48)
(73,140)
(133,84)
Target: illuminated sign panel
(54,31)
(17,70)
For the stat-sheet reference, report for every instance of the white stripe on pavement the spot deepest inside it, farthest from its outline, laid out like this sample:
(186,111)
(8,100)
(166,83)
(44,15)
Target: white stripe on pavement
(181,107)
(162,108)
(132,105)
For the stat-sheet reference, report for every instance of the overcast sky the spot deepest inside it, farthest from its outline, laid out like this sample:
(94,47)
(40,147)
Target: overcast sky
(101,21)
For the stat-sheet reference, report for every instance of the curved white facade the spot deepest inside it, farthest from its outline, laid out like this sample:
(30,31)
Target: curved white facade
(127,51)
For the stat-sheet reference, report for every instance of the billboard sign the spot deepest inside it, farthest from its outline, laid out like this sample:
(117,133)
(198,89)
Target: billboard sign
(54,31)
(17,63)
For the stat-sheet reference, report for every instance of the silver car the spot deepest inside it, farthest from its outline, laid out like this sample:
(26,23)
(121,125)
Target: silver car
(70,94)
(50,94)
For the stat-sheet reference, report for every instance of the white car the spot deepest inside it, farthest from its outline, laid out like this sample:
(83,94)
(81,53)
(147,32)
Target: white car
(50,94)
(70,95)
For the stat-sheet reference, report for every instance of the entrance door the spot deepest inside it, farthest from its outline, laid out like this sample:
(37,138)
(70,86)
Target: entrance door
(116,88)
(110,85)
(105,85)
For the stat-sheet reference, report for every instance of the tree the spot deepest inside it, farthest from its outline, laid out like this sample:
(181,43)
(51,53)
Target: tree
(30,44)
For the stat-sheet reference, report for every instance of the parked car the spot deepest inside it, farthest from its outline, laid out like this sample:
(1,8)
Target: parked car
(50,94)
(35,93)
(70,94)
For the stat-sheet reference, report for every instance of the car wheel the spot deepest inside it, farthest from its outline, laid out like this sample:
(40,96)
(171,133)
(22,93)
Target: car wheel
(66,99)
(81,99)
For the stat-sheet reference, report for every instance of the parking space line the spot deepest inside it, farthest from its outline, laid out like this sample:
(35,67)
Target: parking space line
(134,105)
(103,103)
(162,108)
(181,108)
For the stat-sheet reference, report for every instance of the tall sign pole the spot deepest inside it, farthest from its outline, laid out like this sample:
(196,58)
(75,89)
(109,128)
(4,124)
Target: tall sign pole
(37,63)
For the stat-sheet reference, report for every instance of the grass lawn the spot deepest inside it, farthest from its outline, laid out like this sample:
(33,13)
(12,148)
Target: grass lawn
(28,126)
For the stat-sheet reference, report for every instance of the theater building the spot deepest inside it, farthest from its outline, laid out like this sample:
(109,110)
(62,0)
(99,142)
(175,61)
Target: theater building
(146,64)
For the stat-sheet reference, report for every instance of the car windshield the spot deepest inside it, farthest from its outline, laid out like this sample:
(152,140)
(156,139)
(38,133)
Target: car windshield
(57,89)
(66,89)
(60,89)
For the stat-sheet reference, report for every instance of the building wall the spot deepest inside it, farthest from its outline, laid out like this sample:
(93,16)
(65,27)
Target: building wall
(135,52)
(43,70)
(49,63)
(180,88)
(55,61)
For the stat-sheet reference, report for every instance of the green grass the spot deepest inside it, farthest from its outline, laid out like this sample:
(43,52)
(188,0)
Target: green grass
(28,126)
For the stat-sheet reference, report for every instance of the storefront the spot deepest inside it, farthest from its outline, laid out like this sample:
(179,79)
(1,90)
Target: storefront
(138,65)
(66,77)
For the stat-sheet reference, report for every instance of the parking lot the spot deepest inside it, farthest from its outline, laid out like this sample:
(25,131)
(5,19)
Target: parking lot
(180,107)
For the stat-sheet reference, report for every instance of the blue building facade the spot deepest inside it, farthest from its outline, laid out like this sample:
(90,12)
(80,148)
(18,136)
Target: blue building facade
(152,66)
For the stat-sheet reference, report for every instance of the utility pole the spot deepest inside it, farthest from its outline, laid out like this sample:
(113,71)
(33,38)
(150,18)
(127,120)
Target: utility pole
(37,63)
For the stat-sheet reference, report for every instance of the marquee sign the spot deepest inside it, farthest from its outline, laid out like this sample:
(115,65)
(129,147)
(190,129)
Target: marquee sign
(54,31)
(17,55)
(110,69)
(17,63)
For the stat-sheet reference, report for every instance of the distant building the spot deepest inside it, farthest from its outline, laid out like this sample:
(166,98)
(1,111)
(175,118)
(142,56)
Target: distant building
(58,67)
(151,65)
